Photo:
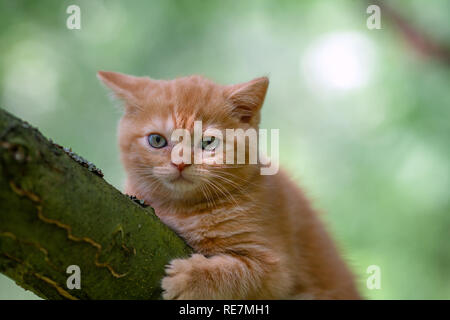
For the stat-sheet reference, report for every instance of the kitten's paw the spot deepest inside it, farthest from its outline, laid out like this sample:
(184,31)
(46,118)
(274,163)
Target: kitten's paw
(182,280)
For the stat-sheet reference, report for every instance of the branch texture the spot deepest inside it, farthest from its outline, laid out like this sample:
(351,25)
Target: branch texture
(56,210)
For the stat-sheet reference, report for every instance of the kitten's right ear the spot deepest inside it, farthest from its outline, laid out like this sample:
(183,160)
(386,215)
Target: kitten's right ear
(247,98)
(128,88)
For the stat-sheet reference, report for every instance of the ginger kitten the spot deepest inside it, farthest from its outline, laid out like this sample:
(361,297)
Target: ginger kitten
(255,236)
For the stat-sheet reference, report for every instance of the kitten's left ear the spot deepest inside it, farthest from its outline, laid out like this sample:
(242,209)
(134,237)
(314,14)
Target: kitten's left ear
(247,98)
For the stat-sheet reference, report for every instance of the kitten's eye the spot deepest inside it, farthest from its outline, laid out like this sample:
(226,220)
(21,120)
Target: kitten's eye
(157,141)
(210,143)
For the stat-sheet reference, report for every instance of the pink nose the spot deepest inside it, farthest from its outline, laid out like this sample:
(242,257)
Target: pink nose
(180,166)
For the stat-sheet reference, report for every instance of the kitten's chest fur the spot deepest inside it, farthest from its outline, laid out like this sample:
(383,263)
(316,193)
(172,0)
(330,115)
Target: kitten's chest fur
(209,231)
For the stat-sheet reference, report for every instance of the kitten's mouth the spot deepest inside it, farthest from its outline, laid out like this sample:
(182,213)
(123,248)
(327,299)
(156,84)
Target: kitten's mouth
(181,178)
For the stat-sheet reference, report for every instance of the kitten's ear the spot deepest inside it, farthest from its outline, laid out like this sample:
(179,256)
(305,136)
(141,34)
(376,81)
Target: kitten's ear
(128,88)
(247,98)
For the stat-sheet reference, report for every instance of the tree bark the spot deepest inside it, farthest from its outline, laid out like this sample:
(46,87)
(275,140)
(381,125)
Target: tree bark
(56,210)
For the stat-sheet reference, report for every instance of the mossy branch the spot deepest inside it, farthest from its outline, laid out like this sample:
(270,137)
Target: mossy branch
(56,210)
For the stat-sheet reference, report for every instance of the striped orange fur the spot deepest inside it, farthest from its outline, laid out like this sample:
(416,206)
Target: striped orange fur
(255,236)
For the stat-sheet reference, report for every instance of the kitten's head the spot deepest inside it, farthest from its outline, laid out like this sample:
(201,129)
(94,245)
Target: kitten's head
(155,108)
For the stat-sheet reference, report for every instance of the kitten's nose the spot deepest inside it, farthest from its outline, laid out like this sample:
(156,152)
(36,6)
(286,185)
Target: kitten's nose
(180,166)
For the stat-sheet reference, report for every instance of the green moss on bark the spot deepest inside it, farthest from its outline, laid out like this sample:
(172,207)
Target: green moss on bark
(56,212)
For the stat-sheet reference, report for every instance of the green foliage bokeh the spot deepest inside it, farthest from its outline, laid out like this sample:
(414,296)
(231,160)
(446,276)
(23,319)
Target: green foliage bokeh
(374,158)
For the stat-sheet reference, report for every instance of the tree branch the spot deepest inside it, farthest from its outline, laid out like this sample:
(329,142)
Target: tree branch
(416,38)
(56,212)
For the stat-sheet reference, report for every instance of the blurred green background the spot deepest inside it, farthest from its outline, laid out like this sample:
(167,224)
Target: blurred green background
(364,117)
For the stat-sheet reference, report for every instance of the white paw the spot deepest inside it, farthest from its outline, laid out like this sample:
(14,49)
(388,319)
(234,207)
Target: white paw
(182,280)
